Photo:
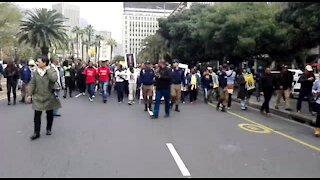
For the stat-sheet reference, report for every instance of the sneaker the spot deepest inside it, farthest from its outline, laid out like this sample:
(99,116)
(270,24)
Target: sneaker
(288,109)
(129,103)
(228,108)
(167,115)
(83,94)
(298,111)
(48,132)
(93,96)
(154,117)
(90,99)
(317,132)
(104,101)
(35,136)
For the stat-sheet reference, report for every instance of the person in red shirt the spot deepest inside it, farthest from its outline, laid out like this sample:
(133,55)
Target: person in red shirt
(91,74)
(103,73)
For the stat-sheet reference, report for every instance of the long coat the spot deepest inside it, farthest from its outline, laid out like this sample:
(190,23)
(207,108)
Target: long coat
(42,91)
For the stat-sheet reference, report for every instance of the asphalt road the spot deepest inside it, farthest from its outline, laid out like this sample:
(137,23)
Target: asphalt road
(117,140)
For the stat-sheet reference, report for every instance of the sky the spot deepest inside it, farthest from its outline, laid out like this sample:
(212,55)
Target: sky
(105,16)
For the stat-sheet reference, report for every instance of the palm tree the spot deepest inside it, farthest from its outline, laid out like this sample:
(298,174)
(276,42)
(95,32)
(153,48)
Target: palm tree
(43,29)
(89,30)
(111,42)
(77,30)
(98,40)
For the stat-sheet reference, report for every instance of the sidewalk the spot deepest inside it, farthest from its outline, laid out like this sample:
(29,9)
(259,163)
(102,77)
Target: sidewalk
(304,116)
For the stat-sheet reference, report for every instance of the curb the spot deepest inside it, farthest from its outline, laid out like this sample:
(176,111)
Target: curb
(286,114)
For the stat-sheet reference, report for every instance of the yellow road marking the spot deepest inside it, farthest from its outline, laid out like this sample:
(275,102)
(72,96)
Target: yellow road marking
(254,128)
(277,132)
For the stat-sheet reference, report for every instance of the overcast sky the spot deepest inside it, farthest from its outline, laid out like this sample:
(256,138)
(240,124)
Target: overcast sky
(101,15)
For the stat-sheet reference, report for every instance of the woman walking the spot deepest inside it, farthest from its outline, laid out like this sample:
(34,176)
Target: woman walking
(42,94)
(267,86)
(11,72)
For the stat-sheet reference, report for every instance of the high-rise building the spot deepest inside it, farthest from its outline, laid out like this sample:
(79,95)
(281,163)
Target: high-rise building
(186,5)
(69,11)
(140,21)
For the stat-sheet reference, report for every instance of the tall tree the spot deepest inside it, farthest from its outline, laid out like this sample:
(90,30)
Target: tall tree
(112,43)
(43,28)
(98,39)
(77,31)
(10,17)
(89,30)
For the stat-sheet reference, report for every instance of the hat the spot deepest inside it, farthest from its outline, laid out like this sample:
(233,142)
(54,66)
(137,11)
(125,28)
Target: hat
(32,63)
(147,62)
(175,61)
(309,68)
(209,68)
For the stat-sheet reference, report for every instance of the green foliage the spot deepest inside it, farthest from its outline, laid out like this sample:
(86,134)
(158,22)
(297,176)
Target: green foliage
(43,29)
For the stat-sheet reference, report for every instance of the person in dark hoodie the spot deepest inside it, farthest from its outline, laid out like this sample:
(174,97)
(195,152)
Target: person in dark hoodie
(11,72)
(267,85)
(81,78)
(146,78)
(163,82)
(206,81)
(25,75)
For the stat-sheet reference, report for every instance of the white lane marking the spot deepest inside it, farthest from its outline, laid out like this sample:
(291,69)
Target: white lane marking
(178,160)
(78,95)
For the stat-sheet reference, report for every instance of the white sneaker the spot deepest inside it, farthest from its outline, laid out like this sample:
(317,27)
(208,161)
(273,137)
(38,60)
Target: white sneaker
(93,96)
(83,94)
(228,108)
(90,99)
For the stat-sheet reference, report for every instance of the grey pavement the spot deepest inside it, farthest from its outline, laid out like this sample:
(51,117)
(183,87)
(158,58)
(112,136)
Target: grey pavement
(117,140)
(303,117)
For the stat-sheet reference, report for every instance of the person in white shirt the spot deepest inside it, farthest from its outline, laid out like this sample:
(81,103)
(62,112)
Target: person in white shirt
(120,76)
(132,76)
(60,83)
(231,76)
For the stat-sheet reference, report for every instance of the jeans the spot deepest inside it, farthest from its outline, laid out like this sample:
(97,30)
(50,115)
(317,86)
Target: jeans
(302,94)
(244,103)
(317,108)
(159,94)
(37,120)
(91,89)
(103,89)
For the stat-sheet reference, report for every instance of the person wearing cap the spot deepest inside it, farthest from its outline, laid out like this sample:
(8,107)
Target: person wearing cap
(178,80)
(146,79)
(306,80)
(103,73)
(283,87)
(32,66)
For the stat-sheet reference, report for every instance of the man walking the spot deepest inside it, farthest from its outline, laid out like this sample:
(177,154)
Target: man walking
(266,88)
(132,80)
(147,76)
(284,85)
(60,83)
(231,76)
(25,75)
(222,88)
(306,81)
(178,79)
(163,82)
(103,73)
(91,74)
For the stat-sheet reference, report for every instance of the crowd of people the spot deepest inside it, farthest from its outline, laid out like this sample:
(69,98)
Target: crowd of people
(162,80)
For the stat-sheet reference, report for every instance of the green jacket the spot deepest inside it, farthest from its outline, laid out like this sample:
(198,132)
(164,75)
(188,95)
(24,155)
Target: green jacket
(42,91)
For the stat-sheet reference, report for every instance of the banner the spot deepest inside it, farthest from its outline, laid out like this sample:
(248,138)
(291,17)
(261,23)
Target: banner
(249,81)
(130,60)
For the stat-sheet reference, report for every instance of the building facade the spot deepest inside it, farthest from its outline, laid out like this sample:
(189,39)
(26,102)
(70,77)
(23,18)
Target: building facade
(69,11)
(140,19)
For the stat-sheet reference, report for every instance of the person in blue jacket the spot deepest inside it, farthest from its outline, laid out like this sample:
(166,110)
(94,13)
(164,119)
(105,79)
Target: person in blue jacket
(25,76)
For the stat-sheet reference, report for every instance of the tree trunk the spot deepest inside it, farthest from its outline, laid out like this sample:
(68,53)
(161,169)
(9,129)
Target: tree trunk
(95,54)
(99,51)
(44,51)
(77,46)
(111,52)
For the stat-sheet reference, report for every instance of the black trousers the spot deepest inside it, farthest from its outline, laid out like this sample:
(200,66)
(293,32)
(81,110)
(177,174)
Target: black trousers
(317,108)
(193,95)
(69,85)
(120,87)
(12,86)
(267,97)
(302,94)
(229,99)
(37,120)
